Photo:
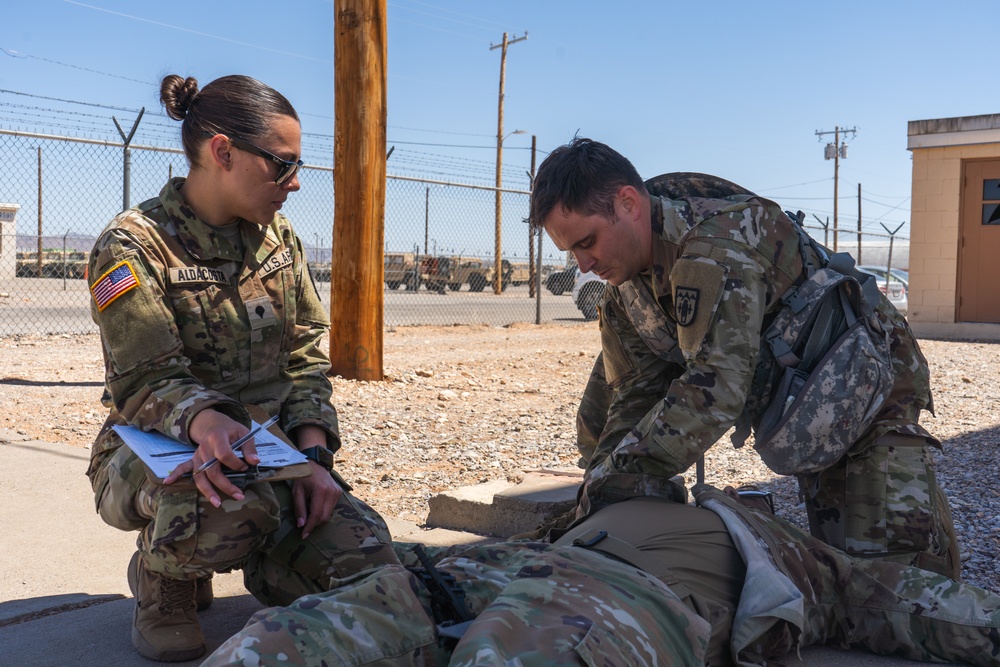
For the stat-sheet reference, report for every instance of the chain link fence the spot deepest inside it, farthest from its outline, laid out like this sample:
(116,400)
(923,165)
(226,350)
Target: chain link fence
(58,193)
(442,239)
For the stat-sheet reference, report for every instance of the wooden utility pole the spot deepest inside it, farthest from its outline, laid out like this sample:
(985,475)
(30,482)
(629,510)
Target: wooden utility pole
(834,152)
(498,245)
(357,271)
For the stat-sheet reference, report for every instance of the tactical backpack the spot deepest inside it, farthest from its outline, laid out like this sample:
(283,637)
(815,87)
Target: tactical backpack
(832,367)
(825,368)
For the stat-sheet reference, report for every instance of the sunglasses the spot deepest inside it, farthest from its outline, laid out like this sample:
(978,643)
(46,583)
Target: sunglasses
(286,168)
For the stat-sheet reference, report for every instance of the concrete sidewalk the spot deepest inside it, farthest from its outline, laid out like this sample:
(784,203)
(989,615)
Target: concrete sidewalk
(64,599)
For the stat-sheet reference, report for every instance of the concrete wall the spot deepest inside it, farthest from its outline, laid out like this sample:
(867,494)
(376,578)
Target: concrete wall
(8,239)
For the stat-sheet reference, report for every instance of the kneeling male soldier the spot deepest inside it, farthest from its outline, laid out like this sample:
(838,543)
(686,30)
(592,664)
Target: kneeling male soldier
(698,268)
(641,582)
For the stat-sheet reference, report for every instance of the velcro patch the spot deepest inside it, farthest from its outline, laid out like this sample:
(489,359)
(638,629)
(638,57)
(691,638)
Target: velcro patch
(697,285)
(197,274)
(276,262)
(115,282)
(260,312)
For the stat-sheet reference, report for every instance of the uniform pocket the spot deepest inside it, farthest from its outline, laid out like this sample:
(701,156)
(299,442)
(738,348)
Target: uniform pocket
(175,519)
(204,321)
(620,364)
(116,488)
(894,498)
(601,647)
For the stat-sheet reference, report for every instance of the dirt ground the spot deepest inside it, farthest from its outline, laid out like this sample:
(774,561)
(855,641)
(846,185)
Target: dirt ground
(469,404)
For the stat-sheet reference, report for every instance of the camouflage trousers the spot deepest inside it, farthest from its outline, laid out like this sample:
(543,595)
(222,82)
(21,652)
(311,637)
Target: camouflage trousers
(842,601)
(540,604)
(183,536)
(880,500)
(883,501)
(535,605)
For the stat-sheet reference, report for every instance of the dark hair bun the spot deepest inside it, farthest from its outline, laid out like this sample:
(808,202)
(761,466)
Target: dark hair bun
(177,94)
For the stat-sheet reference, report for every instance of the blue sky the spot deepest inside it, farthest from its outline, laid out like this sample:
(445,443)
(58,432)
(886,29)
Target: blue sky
(737,89)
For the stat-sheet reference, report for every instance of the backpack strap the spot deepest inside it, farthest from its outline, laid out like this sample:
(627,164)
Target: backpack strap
(843,263)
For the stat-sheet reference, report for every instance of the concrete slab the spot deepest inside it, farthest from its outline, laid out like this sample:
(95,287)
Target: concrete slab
(64,599)
(500,509)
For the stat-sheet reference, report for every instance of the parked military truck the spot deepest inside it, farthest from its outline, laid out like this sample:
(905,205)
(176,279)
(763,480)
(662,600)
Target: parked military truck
(401,269)
(480,277)
(452,272)
(53,264)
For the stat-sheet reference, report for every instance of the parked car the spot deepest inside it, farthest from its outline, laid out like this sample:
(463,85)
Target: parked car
(587,288)
(894,289)
(895,274)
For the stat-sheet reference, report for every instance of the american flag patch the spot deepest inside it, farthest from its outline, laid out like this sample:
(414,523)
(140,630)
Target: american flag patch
(120,279)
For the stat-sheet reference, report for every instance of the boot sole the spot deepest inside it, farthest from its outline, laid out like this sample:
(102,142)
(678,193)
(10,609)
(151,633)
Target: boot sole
(173,655)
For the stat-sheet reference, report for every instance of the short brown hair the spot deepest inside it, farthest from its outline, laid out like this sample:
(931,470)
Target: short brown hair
(583,176)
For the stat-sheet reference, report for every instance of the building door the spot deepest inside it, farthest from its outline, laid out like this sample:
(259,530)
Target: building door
(979,244)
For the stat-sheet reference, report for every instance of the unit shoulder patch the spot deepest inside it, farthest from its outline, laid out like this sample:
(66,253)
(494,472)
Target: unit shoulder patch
(685,305)
(698,284)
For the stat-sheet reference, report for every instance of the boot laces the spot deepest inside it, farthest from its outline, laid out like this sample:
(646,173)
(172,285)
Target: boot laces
(176,595)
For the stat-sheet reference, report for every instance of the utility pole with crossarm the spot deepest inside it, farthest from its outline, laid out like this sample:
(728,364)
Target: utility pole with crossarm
(498,247)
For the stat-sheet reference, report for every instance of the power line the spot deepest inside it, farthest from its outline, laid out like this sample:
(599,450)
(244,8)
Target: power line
(493,25)
(199,32)
(16,54)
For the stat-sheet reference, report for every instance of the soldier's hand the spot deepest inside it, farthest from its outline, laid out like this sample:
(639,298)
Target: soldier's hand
(314,498)
(214,433)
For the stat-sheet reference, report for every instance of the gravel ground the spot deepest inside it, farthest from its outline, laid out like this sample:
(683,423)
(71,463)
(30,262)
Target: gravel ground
(464,405)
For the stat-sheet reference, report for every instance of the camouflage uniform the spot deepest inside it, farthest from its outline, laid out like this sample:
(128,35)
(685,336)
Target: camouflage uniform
(193,321)
(681,345)
(571,604)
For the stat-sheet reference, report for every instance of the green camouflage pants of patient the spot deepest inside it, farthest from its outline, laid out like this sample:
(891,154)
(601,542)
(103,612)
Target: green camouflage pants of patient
(540,604)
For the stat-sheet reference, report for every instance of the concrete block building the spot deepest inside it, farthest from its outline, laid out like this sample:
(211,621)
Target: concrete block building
(955,227)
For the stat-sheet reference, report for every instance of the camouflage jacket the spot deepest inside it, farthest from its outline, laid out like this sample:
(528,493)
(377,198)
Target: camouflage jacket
(681,341)
(189,321)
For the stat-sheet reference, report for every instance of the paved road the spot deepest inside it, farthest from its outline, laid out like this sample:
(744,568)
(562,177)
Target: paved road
(52,305)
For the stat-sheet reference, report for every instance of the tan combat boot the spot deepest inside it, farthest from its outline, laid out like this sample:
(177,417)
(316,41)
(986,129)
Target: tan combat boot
(165,625)
(203,595)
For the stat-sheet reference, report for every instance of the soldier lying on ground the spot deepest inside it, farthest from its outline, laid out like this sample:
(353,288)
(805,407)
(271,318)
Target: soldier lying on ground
(641,582)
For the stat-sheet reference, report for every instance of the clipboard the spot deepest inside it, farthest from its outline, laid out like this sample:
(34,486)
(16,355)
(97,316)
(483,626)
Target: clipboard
(243,478)
(160,454)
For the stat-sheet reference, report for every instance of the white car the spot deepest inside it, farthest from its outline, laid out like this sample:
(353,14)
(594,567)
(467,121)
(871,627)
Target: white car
(894,274)
(894,289)
(587,288)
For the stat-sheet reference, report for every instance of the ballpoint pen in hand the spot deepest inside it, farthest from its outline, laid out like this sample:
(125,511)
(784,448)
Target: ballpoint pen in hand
(236,445)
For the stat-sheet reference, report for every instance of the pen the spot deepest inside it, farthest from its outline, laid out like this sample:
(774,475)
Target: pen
(236,445)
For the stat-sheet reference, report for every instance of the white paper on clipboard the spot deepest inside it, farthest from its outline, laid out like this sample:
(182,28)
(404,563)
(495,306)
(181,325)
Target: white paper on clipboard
(161,453)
